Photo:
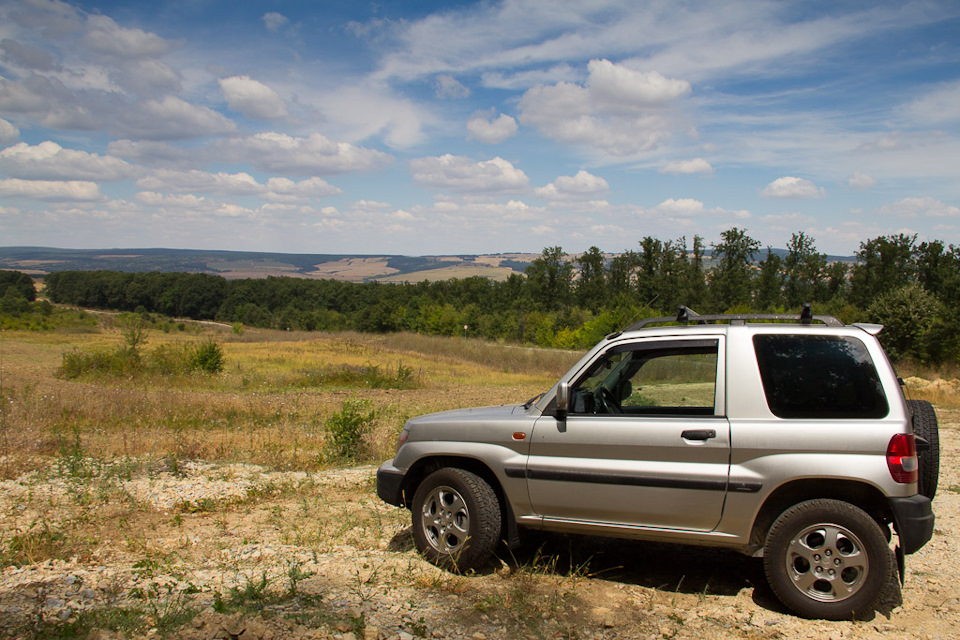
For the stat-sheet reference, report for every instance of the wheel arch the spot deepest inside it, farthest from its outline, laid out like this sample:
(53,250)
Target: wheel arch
(427,465)
(862,495)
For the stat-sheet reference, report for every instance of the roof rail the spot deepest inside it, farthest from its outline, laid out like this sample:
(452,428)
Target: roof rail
(685,315)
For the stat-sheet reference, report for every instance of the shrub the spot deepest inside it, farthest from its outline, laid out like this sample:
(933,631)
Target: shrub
(908,315)
(347,430)
(207,357)
(126,361)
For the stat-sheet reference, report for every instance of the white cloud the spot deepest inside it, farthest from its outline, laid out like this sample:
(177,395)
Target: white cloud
(150,152)
(446,86)
(47,102)
(196,180)
(682,213)
(939,106)
(314,154)
(274,21)
(793,188)
(236,184)
(528,78)
(483,127)
(50,189)
(172,119)
(360,112)
(49,161)
(463,174)
(181,201)
(687,167)
(926,207)
(106,37)
(681,207)
(615,86)
(618,110)
(252,98)
(149,78)
(286,190)
(861,181)
(27,56)
(8,132)
(893,141)
(583,186)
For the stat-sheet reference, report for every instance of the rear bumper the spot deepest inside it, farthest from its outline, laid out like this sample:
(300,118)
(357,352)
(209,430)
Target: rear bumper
(913,519)
(390,484)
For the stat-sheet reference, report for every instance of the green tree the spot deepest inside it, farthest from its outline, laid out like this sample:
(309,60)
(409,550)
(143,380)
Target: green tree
(732,276)
(938,271)
(20,282)
(591,284)
(883,264)
(770,282)
(550,280)
(838,286)
(621,277)
(908,314)
(695,286)
(804,272)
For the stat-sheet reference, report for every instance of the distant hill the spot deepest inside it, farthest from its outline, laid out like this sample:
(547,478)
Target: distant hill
(39,261)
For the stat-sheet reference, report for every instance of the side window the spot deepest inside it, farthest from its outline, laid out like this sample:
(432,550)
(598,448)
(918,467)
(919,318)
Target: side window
(647,379)
(819,377)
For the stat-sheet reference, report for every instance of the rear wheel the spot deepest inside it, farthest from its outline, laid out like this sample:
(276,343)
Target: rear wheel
(828,559)
(925,426)
(456,519)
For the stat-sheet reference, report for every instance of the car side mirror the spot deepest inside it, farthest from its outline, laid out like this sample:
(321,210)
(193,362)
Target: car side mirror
(563,400)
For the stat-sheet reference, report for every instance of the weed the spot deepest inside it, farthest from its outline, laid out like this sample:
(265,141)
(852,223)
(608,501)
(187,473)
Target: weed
(207,357)
(253,591)
(173,359)
(295,575)
(418,627)
(36,544)
(347,429)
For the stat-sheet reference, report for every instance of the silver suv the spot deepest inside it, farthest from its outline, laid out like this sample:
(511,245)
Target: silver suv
(787,440)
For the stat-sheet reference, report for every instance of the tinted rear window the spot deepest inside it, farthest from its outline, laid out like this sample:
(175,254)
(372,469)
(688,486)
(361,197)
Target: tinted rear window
(819,377)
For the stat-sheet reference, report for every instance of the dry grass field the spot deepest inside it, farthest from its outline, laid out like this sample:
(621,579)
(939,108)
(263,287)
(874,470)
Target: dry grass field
(268,406)
(213,506)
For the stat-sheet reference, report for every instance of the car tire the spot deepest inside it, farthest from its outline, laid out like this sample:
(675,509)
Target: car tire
(925,426)
(828,559)
(456,519)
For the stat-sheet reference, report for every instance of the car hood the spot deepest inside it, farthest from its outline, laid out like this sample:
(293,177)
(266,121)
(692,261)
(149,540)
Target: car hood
(470,415)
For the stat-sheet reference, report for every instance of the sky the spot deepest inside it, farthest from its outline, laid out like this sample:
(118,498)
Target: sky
(462,127)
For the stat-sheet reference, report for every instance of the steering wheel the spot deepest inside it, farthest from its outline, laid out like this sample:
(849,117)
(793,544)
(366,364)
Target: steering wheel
(606,401)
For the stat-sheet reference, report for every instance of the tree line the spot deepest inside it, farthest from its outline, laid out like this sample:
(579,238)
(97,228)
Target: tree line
(571,302)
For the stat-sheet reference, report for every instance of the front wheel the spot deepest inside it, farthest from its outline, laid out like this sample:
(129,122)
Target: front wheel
(827,559)
(456,519)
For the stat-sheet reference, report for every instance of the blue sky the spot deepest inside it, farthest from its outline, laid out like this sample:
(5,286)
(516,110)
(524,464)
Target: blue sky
(425,128)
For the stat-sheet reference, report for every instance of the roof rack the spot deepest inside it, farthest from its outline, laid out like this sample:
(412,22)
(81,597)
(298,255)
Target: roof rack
(685,315)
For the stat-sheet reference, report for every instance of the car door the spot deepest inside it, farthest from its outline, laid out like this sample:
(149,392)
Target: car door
(645,442)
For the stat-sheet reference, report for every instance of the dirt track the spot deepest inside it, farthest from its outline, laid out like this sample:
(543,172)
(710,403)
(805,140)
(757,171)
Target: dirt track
(198,551)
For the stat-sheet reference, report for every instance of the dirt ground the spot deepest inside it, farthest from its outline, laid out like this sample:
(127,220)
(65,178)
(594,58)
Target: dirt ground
(191,550)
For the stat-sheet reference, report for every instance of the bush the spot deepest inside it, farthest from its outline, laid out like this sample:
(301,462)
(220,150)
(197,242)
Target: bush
(120,363)
(347,430)
(126,361)
(207,358)
(908,315)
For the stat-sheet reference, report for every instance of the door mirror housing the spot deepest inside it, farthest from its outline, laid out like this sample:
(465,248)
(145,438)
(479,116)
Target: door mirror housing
(562,400)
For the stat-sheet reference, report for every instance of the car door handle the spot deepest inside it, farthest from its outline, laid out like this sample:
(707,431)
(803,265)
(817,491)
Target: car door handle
(698,434)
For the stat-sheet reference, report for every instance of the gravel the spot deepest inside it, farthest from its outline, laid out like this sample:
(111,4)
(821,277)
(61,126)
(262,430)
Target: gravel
(239,551)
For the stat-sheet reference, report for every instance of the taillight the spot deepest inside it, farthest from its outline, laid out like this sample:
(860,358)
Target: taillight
(902,458)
